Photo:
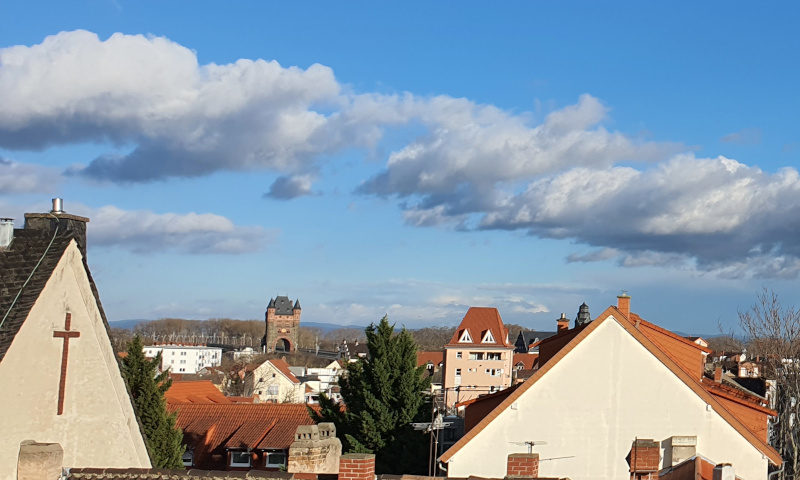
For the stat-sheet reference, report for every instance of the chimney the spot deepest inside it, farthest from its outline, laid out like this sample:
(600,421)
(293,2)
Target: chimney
(315,450)
(39,460)
(58,218)
(723,471)
(644,459)
(624,304)
(523,465)
(563,323)
(718,374)
(6,231)
(357,466)
(683,447)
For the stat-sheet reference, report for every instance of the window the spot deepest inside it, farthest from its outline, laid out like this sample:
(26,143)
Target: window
(465,337)
(494,372)
(183,361)
(458,355)
(476,355)
(183,353)
(273,389)
(493,356)
(275,458)
(188,456)
(240,458)
(488,337)
(458,372)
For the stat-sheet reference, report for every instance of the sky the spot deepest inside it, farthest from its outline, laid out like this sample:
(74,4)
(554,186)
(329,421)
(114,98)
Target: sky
(413,159)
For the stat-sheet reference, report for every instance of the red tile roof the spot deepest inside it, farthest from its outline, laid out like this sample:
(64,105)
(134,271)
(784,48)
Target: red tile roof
(477,322)
(434,357)
(283,367)
(527,360)
(201,391)
(210,429)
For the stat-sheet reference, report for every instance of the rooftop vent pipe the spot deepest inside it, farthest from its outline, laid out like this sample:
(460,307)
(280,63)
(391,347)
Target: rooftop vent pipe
(58,206)
(6,231)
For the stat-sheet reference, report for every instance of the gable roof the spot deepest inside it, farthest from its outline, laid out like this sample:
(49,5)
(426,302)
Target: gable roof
(526,359)
(477,323)
(573,338)
(435,358)
(25,267)
(212,428)
(283,367)
(201,391)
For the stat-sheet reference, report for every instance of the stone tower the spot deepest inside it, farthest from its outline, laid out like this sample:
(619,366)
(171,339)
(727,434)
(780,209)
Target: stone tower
(283,325)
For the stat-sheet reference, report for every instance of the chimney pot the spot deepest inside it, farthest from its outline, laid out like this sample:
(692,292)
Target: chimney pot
(563,323)
(58,206)
(39,460)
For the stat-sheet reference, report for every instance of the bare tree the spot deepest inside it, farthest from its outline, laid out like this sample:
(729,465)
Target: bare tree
(773,331)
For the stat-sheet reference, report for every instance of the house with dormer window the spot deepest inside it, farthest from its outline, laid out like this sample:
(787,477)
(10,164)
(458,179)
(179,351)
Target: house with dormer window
(478,359)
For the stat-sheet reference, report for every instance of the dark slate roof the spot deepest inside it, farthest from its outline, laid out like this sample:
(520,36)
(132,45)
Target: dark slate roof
(530,337)
(283,306)
(17,261)
(297,305)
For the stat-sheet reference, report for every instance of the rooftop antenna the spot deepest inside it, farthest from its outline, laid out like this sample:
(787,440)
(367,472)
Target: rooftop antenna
(529,444)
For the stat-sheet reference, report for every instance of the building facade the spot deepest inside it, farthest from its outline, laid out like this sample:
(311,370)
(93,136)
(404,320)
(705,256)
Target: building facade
(478,359)
(185,358)
(283,325)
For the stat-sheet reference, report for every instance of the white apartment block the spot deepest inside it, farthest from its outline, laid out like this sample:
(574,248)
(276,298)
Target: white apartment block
(185,358)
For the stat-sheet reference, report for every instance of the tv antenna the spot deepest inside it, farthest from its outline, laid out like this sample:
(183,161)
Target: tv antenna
(529,444)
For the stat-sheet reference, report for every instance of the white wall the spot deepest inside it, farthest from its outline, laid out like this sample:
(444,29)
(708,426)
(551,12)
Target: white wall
(185,359)
(592,405)
(98,427)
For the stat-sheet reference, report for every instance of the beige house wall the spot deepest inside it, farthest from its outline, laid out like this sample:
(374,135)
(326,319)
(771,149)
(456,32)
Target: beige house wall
(591,406)
(265,375)
(474,379)
(98,427)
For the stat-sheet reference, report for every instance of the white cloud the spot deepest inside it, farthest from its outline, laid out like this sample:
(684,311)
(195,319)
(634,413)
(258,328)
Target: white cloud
(146,232)
(289,187)
(25,178)
(746,136)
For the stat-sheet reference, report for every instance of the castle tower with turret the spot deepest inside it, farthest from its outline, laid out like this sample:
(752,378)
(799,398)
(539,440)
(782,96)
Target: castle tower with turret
(283,325)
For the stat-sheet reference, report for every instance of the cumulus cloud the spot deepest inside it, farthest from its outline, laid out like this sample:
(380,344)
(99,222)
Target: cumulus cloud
(181,118)
(145,232)
(288,187)
(747,136)
(18,177)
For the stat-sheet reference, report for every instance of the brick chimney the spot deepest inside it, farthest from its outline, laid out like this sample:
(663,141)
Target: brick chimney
(644,459)
(718,374)
(562,323)
(523,465)
(58,218)
(357,466)
(624,304)
(315,450)
(39,460)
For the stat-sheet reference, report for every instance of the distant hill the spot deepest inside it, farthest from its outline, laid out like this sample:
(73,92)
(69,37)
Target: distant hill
(126,324)
(325,327)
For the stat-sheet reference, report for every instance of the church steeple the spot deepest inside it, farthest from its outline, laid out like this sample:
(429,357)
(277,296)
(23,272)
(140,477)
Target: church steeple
(583,315)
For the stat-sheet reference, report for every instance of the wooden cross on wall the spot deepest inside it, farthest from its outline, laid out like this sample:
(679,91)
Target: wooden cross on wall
(66,334)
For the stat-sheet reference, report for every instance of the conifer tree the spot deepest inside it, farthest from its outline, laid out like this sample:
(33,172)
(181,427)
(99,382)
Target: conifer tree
(383,395)
(147,389)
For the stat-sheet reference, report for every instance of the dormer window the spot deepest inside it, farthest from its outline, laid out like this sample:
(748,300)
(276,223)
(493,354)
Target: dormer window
(488,337)
(465,337)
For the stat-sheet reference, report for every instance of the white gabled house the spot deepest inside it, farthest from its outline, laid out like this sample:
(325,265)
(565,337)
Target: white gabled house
(602,386)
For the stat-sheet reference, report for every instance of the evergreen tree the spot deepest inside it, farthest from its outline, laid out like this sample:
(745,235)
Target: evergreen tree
(383,395)
(147,389)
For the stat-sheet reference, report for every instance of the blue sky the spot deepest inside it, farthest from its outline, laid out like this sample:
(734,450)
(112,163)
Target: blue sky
(412,159)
